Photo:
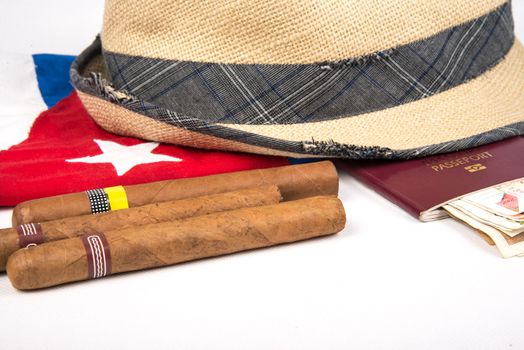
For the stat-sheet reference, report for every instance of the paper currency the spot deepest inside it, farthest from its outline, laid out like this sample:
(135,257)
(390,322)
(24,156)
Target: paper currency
(508,226)
(498,212)
(505,200)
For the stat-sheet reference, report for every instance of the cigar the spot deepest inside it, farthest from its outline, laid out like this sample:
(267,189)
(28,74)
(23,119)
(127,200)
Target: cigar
(294,181)
(168,243)
(12,239)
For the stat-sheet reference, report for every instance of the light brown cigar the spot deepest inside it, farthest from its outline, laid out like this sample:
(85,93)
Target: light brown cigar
(294,181)
(11,240)
(168,243)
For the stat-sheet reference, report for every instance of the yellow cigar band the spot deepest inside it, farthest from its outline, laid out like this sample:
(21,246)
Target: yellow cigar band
(117,197)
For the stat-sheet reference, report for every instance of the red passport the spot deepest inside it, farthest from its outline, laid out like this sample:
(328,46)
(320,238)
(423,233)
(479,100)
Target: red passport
(421,186)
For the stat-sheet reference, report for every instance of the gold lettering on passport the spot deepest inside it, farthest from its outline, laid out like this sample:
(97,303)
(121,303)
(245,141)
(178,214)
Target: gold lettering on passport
(441,163)
(475,167)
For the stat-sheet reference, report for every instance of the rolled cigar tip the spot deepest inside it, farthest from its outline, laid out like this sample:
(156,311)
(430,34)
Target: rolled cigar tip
(8,244)
(339,212)
(28,268)
(33,210)
(331,168)
(271,190)
(17,267)
(23,212)
(20,211)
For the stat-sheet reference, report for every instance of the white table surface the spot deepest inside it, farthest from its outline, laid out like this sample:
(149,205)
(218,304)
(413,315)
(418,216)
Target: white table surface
(386,282)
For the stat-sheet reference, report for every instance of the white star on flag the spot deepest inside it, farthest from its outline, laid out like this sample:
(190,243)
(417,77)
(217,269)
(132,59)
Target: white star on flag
(124,158)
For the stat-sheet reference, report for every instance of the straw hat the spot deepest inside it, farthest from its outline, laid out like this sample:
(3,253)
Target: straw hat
(305,78)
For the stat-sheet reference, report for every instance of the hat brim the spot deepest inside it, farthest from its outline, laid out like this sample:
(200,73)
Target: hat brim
(482,110)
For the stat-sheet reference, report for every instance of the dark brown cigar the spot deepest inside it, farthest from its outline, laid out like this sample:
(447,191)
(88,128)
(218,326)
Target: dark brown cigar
(12,239)
(143,247)
(294,181)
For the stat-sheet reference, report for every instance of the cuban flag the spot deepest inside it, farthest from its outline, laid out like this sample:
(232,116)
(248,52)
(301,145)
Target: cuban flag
(49,144)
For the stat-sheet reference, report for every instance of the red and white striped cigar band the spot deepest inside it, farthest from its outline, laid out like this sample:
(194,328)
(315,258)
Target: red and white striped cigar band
(29,234)
(98,255)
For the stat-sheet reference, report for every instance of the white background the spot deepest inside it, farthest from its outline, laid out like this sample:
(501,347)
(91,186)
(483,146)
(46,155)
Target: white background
(386,282)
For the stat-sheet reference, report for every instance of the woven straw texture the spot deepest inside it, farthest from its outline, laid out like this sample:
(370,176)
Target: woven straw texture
(275,31)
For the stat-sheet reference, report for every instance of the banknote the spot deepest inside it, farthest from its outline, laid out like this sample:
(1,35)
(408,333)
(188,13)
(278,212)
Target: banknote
(508,226)
(497,212)
(505,200)
(508,246)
